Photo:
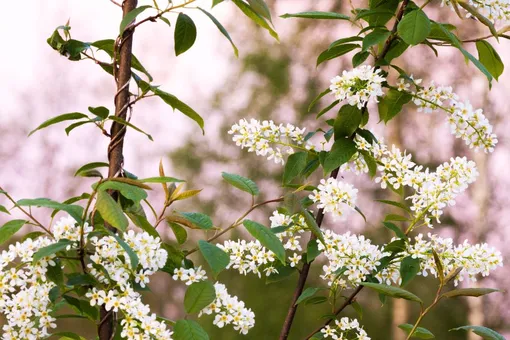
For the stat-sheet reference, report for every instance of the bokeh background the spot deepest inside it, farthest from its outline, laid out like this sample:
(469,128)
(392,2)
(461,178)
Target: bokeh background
(269,80)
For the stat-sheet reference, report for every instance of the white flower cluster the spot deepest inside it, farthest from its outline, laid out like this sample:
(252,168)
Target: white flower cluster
(229,310)
(351,258)
(252,257)
(358,86)
(24,291)
(473,259)
(494,10)
(336,197)
(465,122)
(138,322)
(190,275)
(268,139)
(66,228)
(345,329)
(433,190)
(115,260)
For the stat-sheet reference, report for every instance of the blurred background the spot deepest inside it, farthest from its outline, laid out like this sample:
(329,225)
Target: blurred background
(270,80)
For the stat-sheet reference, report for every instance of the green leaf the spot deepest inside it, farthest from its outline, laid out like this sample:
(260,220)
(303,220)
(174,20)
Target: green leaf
(490,58)
(294,166)
(133,258)
(312,251)
(9,229)
(396,204)
(142,222)
(419,332)
(51,249)
(395,217)
(75,125)
(347,121)
(89,166)
(4,209)
(455,42)
(266,238)
(181,235)
(335,52)
(198,296)
(222,30)
(126,123)
(316,300)
(100,111)
(129,17)
(375,37)
(215,2)
(375,14)
(261,8)
(409,268)
(391,104)
(312,224)
(414,27)
(58,119)
(371,162)
(357,307)
(341,152)
(110,211)
(359,58)
(327,108)
(437,33)
(316,15)
(322,94)
(394,292)
(217,259)
(130,192)
(83,307)
(55,273)
(176,104)
(395,229)
(255,17)
(67,335)
(77,279)
(475,292)
(307,293)
(382,11)
(484,332)
(161,180)
(189,330)
(242,183)
(185,34)
(75,211)
(284,272)
(344,40)
(397,47)
(202,221)
(396,246)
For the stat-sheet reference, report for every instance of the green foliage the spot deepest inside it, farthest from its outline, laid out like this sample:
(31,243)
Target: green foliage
(347,121)
(414,27)
(58,119)
(217,259)
(131,16)
(51,249)
(266,238)
(185,34)
(420,332)
(391,291)
(341,152)
(409,268)
(111,211)
(9,229)
(316,15)
(475,292)
(490,58)
(189,330)
(391,104)
(294,166)
(200,220)
(198,296)
(222,30)
(242,183)
(484,332)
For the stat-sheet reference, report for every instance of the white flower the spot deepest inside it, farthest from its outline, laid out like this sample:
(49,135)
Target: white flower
(335,196)
(494,10)
(358,86)
(268,139)
(345,329)
(294,260)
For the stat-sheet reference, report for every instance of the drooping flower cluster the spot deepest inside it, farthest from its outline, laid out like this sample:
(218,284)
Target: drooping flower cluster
(465,122)
(494,10)
(252,257)
(138,322)
(351,258)
(358,86)
(66,228)
(229,310)
(433,191)
(25,290)
(345,329)
(473,259)
(269,139)
(336,197)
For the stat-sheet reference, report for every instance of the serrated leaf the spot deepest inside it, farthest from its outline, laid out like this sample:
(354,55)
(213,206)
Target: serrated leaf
(222,30)
(189,330)
(391,104)
(312,251)
(375,37)
(181,235)
(312,224)
(490,58)
(420,332)
(242,183)
(266,238)
(185,34)
(202,221)
(484,332)
(296,163)
(51,249)
(306,294)
(396,246)
(347,121)
(255,17)
(261,8)
(177,104)
(217,259)
(129,191)
(55,273)
(414,27)
(335,52)
(9,229)
(398,232)
(110,211)
(198,296)
(391,291)
(341,152)
(283,273)
(75,211)
(129,17)
(359,58)
(58,119)
(83,307)
(316,15)
(409,268)
(475,292)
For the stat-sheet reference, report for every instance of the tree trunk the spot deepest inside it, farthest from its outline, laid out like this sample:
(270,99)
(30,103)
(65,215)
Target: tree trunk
(122,72)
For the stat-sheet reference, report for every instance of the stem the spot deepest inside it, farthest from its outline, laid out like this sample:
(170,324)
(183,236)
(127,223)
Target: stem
(106,328)
(303,275)
(424,312)
(237,222)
